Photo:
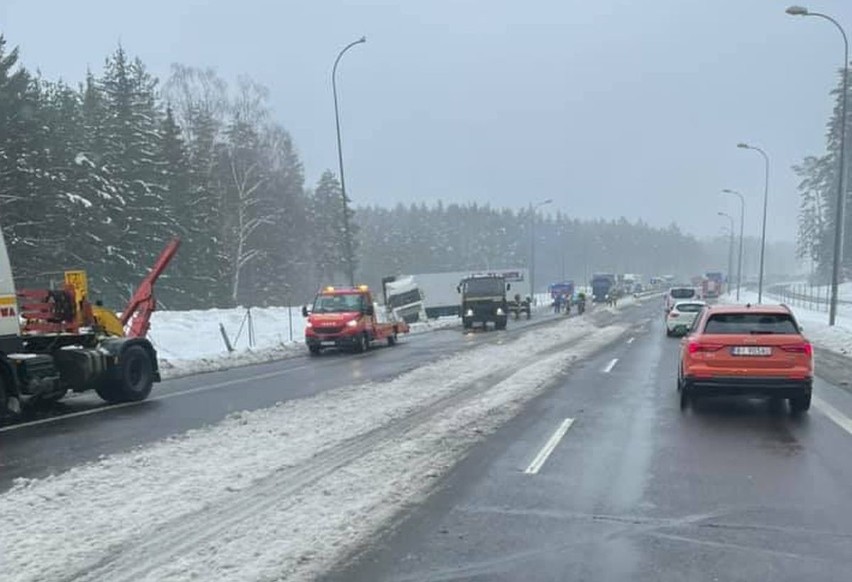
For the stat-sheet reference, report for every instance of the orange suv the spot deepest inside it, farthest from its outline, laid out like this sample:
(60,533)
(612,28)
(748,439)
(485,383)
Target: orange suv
(752,350)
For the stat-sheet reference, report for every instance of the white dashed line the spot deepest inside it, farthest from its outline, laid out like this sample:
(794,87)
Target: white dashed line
(548,447)
(610,366)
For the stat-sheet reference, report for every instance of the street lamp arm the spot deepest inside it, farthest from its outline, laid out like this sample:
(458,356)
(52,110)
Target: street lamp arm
(837,24)
(361,40)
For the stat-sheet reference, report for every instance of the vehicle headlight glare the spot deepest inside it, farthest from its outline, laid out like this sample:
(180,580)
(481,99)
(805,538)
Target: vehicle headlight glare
(352,323)
(469,312)
(499,311)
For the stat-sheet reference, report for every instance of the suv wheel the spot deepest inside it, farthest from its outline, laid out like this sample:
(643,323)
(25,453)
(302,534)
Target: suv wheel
(800,403)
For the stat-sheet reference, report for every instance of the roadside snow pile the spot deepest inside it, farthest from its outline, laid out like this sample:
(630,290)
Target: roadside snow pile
(192,335)
(815,323)
(279,493)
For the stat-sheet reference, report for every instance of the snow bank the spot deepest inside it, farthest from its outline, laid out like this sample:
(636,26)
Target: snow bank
(281,492)
(190,342)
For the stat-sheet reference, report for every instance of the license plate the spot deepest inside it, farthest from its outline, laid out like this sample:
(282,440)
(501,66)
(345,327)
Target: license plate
(327,343)
(751,351)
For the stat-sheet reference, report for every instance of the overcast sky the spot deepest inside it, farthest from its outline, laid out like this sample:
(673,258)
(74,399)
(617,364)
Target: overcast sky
(610,107)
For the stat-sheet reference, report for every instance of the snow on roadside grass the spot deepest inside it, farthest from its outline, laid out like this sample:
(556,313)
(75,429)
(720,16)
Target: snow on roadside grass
(53,527)
(189,342)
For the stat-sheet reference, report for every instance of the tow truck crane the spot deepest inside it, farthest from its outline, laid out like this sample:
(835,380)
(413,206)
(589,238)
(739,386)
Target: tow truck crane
(55,340)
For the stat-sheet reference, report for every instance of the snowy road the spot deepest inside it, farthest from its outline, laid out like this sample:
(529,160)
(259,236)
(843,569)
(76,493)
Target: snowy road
(321,473)
(634,489)
(83,428)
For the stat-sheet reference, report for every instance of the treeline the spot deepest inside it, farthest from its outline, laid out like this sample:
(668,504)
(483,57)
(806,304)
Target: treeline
(422,239)
(100,175)
(818,188)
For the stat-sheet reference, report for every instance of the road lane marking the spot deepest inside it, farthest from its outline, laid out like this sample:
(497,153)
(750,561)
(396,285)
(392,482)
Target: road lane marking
(548,447)
(630,341)
(610,366)
(835,415)
(109,407)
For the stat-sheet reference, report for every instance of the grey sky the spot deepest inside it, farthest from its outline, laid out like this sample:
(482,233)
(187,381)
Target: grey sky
(610,107)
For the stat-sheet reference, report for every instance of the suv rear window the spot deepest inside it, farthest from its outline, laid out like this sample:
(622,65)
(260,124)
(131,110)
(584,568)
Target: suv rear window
(751,323)
(684,293)
(689,307)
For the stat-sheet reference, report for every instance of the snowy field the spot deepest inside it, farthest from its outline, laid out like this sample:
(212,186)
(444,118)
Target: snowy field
(279,493)
(815,323)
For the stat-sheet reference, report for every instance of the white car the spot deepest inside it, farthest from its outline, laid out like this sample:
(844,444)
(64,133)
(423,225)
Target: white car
(676,294)
(681,316)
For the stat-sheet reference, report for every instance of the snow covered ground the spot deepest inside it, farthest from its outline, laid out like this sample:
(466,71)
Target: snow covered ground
(279,493)
(815,324)
(190,342)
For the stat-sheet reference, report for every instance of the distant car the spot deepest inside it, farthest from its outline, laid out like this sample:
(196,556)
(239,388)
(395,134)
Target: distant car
(676,294)
(681,317)
(746,350)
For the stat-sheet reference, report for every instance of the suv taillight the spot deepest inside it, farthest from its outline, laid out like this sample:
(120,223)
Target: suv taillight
(697,346)
(801,348)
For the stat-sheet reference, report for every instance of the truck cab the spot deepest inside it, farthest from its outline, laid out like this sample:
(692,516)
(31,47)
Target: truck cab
(483,300)
(347,317)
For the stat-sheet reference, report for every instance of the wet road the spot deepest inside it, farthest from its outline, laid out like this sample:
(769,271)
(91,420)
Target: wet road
(82,428)
(637,489)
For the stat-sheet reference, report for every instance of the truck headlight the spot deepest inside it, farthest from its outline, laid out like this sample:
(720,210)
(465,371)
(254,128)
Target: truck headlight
(499,311)
(352,323)
(469,313)
(308,323)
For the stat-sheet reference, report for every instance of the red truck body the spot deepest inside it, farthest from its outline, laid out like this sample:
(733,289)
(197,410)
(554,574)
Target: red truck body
(345,317)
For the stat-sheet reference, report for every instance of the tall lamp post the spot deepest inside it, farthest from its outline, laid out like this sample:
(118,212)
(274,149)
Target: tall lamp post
(347,234)
(740,250)
(765,203)
(533,210)
(730,244)
(841,179)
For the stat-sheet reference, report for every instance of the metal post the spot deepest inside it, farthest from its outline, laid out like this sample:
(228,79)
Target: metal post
(532,253)
(841,178)
(763,228)
(533,210)
(350,266)
(742,228)
(730,244)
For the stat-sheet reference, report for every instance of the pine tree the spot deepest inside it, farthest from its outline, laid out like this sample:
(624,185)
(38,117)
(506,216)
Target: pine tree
(141,218)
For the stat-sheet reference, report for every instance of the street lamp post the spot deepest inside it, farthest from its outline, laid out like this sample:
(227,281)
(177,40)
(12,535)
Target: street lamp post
(347,234)
(730,245)
(763,228)
(841,179)
(533,210)
(740,250)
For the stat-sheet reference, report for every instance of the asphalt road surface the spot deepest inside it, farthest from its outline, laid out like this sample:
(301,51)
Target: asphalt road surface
(83,428)
(635,489)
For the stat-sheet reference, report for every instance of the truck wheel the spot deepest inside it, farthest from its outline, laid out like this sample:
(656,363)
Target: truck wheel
(361,344)
(132,379)
(500,324)
(314,350)
(392,339)
(466,323)
(10,406)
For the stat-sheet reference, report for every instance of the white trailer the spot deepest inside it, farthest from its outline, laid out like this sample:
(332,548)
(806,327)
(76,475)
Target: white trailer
(440,290)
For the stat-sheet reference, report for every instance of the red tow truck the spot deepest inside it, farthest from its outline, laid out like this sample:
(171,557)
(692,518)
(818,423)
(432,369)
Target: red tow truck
(346,317)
